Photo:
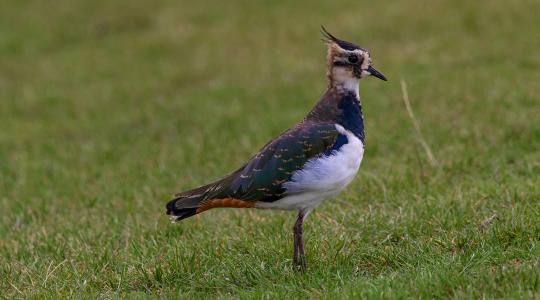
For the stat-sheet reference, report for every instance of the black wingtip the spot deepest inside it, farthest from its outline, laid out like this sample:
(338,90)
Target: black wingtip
(179,213)
(170,206)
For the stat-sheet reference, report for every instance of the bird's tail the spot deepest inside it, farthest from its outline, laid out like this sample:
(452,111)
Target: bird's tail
(187,204)
(178,214)
(192,202)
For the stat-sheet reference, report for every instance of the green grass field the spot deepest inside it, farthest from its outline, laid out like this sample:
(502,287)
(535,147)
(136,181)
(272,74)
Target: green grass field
(109,107)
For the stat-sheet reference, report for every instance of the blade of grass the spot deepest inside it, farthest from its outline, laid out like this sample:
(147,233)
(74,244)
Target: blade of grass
(405,96)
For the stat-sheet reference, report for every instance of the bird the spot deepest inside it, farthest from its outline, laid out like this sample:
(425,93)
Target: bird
(307,163)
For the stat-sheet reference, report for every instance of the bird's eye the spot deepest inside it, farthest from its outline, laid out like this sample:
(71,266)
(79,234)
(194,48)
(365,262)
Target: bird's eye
(353,59)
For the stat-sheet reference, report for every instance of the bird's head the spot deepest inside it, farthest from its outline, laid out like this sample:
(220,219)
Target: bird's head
(348,61)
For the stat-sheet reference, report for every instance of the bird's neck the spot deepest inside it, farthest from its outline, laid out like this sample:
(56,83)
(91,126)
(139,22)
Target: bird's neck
(344,85)
(341,104)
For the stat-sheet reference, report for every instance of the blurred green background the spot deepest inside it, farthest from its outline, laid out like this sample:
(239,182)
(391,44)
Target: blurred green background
(109,107)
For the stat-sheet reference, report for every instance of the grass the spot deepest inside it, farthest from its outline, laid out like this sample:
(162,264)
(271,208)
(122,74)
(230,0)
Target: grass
(107,108)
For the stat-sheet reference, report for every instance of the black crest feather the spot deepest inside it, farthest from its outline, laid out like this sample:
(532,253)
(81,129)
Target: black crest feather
(328,37)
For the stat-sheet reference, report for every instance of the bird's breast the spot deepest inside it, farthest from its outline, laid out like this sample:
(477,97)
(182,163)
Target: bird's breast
(332,171)
(323,176)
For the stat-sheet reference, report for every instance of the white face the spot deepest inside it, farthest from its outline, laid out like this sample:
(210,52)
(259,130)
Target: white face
(352,63)
(366,62)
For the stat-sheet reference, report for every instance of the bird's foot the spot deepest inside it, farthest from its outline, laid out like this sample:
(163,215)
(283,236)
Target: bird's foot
(300,264)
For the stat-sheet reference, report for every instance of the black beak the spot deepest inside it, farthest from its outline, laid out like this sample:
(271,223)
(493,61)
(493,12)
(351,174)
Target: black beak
(376,73)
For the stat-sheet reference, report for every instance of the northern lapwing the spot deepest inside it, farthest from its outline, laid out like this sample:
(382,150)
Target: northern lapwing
(307,163)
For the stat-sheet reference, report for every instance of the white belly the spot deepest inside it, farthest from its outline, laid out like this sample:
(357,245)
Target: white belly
(322,177)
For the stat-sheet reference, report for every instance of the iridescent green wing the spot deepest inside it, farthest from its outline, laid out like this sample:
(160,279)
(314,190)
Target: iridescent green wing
(262,178)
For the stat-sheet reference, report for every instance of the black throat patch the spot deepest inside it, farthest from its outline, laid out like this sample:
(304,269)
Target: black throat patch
(351,117)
